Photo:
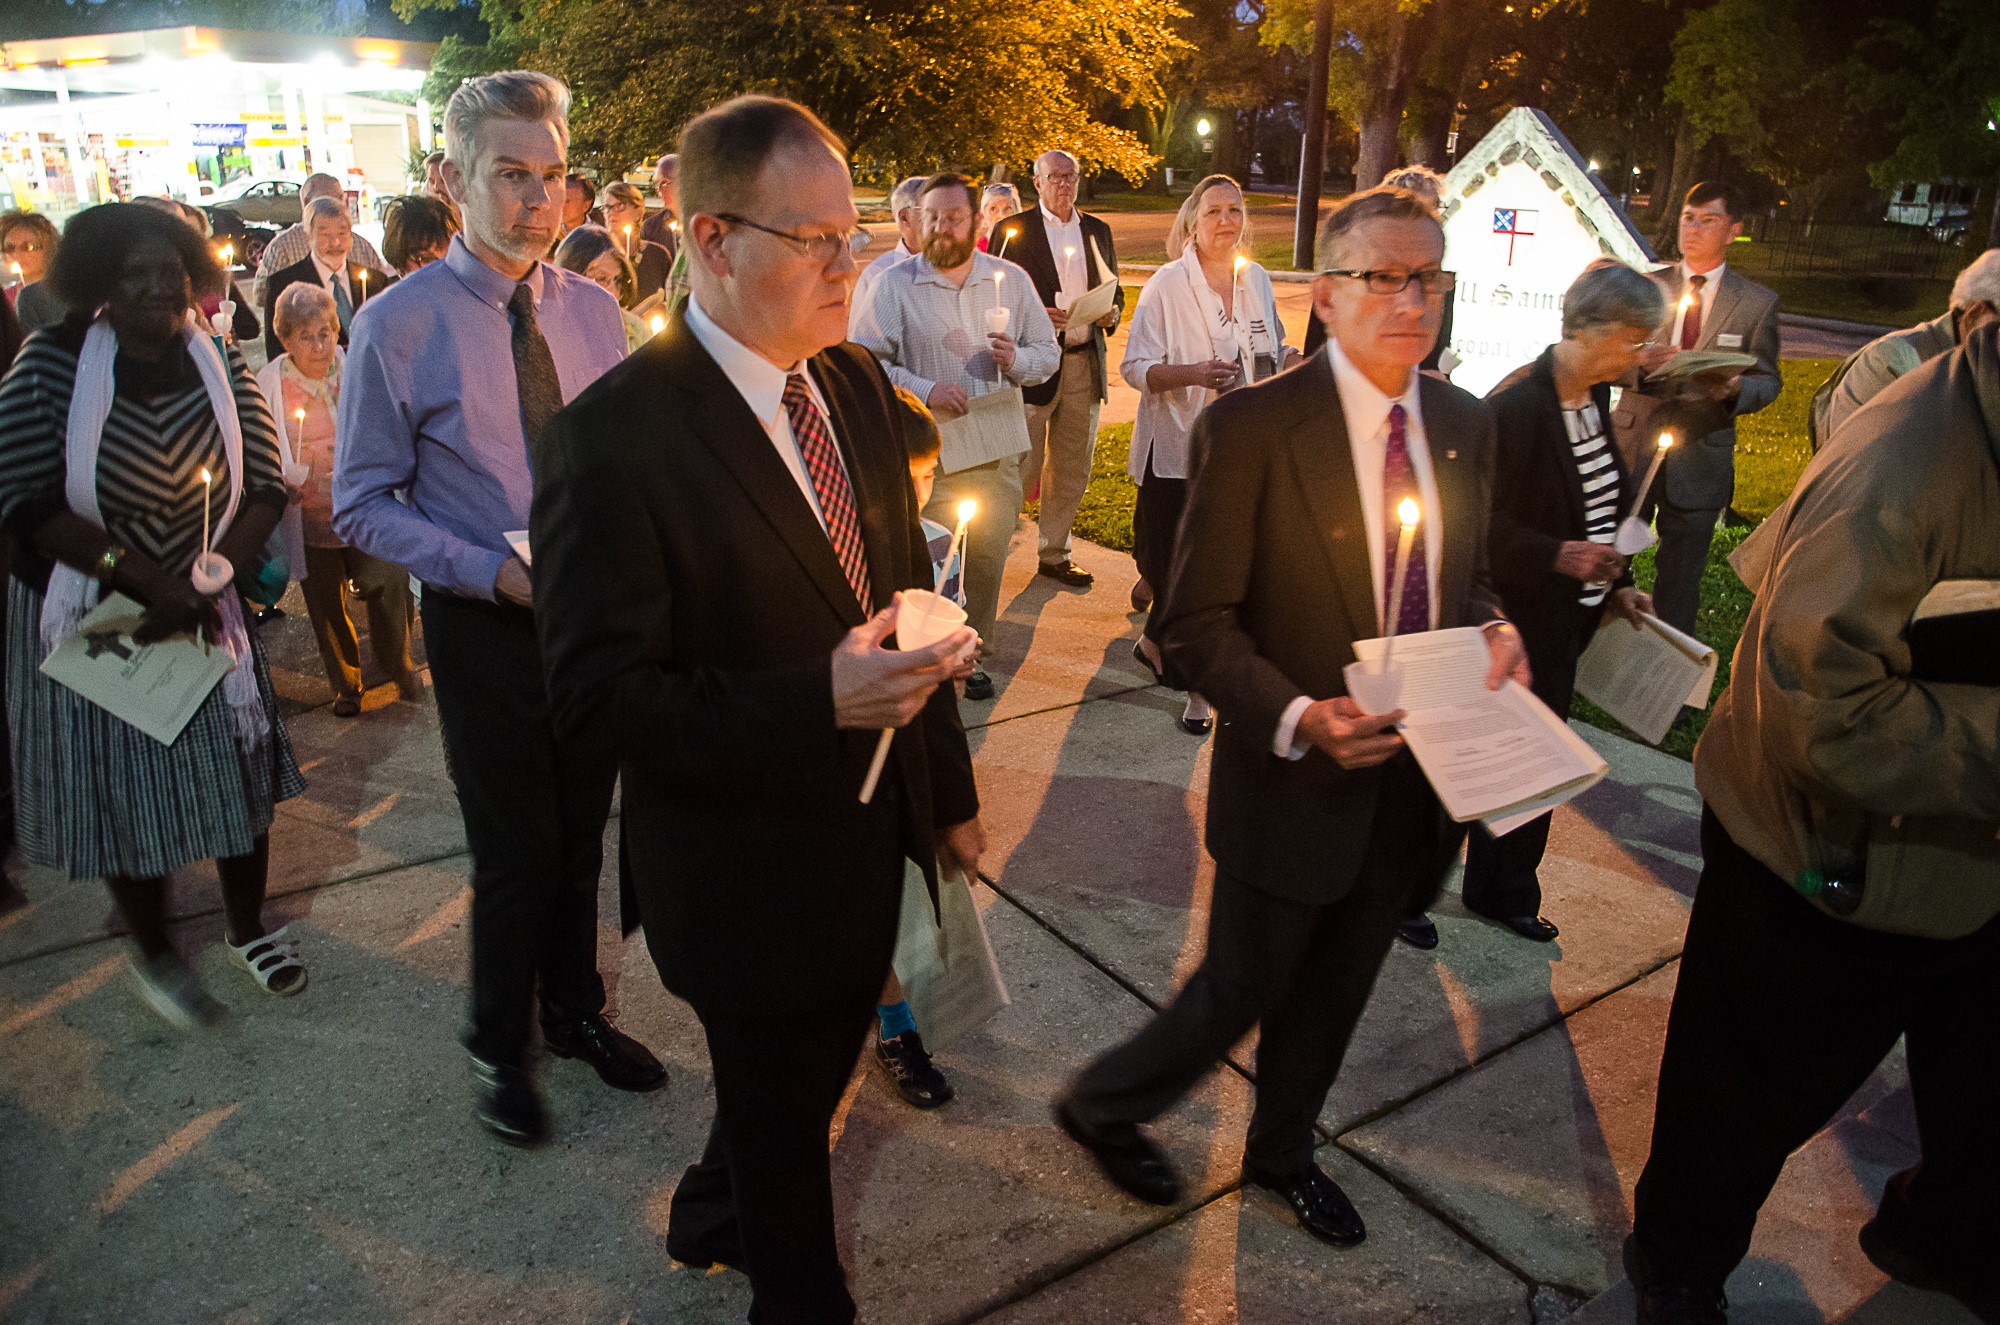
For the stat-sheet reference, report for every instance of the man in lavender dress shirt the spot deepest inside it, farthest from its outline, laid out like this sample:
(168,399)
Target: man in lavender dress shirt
(448,385)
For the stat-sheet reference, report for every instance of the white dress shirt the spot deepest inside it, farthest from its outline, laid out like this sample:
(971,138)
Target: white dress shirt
(329,275)
(1072,269)
(761,383)
(1711,282)
(1365,409)
(861,309)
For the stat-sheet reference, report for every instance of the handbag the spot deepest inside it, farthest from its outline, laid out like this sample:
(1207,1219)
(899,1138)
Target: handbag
(949,976)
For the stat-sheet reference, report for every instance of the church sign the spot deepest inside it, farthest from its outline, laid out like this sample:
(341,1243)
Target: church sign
(1523,216)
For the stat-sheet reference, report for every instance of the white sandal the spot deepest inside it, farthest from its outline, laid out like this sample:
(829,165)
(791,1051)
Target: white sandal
(264,957)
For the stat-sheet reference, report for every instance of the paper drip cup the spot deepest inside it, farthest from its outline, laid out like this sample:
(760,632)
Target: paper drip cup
(211,573)
(925,618)
(997,321)
(296,474)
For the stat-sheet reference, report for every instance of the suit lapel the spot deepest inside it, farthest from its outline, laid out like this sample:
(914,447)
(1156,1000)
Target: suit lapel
(1324,458)
(1728,292)
(728,428)
(1456,494)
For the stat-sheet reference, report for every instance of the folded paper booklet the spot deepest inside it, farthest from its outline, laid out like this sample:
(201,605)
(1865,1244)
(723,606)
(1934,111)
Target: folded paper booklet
(1498,756)
(995,426)
(1095,303)
(155,687)
(1643,677)
(1693,363)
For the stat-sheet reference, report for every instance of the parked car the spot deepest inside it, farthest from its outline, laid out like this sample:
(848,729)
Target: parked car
(273,200)
(245,237)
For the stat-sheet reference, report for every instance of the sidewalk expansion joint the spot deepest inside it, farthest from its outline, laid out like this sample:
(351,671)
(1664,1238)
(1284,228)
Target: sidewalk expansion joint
(1057,708)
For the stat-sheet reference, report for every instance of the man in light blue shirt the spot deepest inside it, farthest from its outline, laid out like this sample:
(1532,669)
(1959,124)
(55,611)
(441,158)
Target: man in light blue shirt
(451,377)
(928,325)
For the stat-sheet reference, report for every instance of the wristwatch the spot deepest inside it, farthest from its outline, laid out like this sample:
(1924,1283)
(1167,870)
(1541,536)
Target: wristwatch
(107,565)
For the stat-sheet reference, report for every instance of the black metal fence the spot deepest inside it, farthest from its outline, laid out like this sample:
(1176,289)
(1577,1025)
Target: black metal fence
(1805,248)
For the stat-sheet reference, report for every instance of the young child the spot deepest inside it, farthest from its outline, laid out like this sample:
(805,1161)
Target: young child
(898,1047)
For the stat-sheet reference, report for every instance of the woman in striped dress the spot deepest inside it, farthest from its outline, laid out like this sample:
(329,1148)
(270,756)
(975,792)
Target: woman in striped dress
(106,422)
(1560,490)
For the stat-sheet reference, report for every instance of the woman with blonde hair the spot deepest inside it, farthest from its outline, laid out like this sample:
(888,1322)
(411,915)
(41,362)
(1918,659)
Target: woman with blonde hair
(1205,323)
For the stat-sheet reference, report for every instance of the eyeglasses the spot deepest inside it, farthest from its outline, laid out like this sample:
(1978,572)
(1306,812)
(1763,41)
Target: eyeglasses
(822,248)
(1395,282)
(24,246)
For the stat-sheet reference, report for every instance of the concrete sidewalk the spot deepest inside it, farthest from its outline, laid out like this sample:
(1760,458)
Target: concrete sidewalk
(315,1159)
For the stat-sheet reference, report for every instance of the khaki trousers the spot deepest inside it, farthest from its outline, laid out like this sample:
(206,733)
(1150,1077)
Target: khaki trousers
(384,588)
(1062,438)
(996,486)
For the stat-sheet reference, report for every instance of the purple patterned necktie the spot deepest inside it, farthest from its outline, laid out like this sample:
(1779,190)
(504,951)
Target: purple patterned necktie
(1399,480)
(829,480)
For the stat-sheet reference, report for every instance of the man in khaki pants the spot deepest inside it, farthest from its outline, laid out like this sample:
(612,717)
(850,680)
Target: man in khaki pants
(1066,252)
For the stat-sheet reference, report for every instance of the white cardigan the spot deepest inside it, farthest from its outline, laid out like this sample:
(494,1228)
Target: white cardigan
(1171,325)
(290,534)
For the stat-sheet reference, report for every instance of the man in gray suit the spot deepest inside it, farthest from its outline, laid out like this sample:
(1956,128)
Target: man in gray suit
(1712,308)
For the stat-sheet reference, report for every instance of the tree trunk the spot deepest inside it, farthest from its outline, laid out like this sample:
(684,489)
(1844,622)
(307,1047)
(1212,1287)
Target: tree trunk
(1431,135)
(1378,146)
(1312,151)
(1666,201)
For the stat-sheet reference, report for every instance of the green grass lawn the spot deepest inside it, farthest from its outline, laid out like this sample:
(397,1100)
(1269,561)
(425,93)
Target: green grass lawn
(1771,452)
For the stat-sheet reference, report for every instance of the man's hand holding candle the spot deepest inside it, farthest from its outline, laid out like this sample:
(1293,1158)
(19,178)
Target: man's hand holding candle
(1348,736)
(876,687)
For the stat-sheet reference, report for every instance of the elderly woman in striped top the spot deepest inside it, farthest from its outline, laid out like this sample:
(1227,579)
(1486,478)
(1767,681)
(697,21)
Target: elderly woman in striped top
(107,422)
(1559,493)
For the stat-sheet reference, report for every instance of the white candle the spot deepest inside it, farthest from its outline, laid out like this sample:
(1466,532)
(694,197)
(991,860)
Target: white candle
(1007,239)
(1408,514)
(362,276)
(207,491)
(1666,444)
(954,549)
(19,278)
(298,433)
(628,241)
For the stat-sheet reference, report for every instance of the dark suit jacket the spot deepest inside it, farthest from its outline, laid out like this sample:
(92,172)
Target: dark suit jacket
(689,603)
(363,288)
(657,228)
(1271,587)
(1538,506)
(651,264)
(1700,472)
(1030,249)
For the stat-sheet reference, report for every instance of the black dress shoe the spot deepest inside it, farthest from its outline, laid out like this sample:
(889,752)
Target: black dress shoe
(917,1079)
(1138,1167)
(1323,1209)
(1533,928)
(1670,1302)
(1418,931)
(1139,653)
(702,1255)
(1067,572)
(506,1101)
(979,686)
(622,1062)
(1196,726)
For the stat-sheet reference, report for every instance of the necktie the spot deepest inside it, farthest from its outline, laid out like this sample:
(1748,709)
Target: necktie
(830,485)
(534,369)
(343,307)
(1399,480)
(1691,320)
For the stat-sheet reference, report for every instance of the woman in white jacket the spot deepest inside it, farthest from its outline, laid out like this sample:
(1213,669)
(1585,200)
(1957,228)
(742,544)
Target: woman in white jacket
(1206,322)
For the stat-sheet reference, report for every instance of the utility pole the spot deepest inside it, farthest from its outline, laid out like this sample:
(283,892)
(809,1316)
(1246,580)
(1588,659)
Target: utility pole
(1312,152)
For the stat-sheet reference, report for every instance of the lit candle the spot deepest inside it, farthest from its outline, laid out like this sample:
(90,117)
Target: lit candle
(628,241)
(229,257)
(362,276)
(659,323)
(19,278)
(1408,514)
(1666,444)
(1687,302)
(953,551)
(299,433)
(1007,239)
(207,491)
(1243,355)
(998,321)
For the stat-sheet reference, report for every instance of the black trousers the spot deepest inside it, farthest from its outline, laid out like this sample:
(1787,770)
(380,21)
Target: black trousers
(534,820)
(1301,973)
(1156,521)
(762,1185)
(1500,878)
(1780,1014)
(1682,556)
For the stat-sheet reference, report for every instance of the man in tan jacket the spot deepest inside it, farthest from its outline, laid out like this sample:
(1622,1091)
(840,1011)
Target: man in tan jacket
(1851,873)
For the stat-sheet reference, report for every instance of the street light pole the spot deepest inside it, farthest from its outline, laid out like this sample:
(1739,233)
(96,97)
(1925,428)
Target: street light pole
(1312,152)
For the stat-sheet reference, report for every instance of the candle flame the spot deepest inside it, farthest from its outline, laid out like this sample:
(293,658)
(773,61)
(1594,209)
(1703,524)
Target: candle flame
(659,323)
(674,226)
(1687,301)
(1011,232)
(15,267)
(1666,440)
(966,510)
(1240,260)
(1069,250)
(299,414)
(628,232)
(206,477)
(1408,512)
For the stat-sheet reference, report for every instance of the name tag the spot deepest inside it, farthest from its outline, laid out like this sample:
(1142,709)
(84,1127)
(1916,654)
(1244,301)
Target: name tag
(1728,340)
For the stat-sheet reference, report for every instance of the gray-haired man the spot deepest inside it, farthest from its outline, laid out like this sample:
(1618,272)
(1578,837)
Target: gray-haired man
(904,205)
(293,243)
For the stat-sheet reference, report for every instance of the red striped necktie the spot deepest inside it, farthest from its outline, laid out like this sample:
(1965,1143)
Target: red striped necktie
(830,485)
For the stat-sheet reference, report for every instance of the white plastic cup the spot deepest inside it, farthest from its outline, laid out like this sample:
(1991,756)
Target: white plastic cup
(997,321)
(1634,536)
(924,619)
(211,573)
(1377,689)
(296,474)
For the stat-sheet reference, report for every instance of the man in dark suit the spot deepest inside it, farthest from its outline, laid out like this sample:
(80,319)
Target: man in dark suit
(713,608)
(1318,818)
(1710,307)
(1067,252)
(664,226)
(327,266)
